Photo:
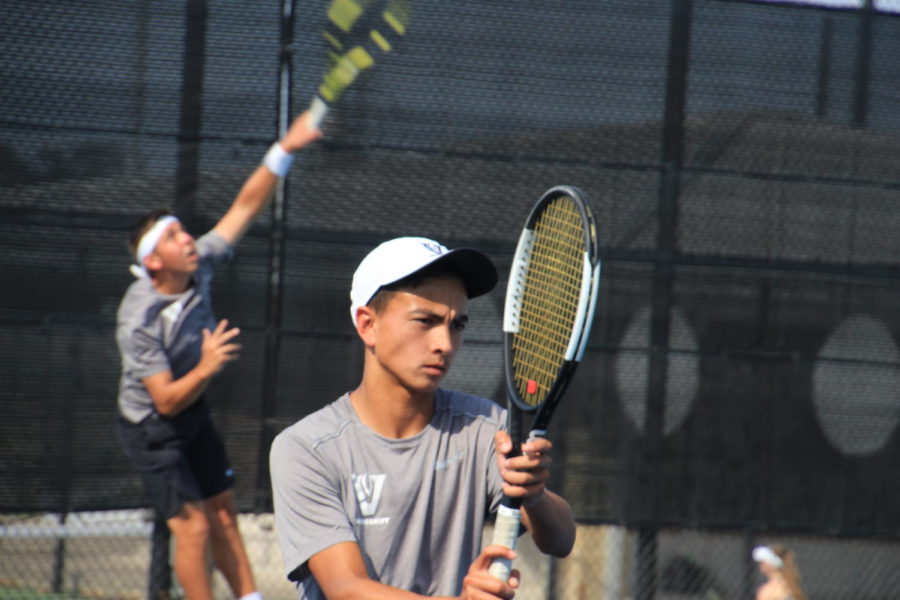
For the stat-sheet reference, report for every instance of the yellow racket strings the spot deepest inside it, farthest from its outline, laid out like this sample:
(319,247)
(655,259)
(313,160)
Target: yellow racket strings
(347,63)
(550,299)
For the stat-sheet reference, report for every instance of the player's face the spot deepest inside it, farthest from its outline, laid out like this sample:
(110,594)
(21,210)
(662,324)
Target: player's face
(176,250)
(418,333)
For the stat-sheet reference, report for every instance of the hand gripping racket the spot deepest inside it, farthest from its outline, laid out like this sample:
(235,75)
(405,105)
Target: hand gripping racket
(550,300)
(358,33)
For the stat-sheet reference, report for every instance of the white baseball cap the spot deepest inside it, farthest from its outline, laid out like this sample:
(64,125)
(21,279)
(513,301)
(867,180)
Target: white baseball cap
(400,257)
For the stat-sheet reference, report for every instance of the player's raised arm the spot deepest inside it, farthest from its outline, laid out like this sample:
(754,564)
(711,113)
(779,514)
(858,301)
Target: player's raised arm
(257,190)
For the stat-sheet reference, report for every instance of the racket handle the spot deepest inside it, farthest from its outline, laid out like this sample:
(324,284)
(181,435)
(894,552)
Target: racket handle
(318,109)
(536,434)
(506,532)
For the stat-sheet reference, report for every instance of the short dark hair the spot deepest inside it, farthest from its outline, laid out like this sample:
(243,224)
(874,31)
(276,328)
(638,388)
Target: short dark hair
(143,226)
(381,298)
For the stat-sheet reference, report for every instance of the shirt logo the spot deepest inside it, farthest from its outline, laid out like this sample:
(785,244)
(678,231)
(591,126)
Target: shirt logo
(443,465)
(368,489)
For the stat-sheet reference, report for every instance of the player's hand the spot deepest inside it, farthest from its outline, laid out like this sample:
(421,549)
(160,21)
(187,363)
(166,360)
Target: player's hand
(218,349)
(479,584)
(523,476)
(300,133)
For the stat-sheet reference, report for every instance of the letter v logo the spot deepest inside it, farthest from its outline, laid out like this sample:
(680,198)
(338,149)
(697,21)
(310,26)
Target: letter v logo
(368,491)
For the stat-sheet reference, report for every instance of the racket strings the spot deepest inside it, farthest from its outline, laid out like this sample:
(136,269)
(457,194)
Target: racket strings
(358,30)
(550,299)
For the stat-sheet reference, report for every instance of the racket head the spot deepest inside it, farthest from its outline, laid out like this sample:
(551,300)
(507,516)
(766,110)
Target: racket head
(550,298)
(357,33)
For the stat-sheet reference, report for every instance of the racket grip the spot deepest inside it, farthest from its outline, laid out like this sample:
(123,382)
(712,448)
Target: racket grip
(318,109)
(535,434)
(506,532)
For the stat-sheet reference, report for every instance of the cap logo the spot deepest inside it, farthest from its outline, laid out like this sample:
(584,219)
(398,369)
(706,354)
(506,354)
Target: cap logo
(433,247)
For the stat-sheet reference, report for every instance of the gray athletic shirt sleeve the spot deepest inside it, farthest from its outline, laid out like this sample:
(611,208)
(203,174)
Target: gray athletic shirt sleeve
(155,331)
(416,507)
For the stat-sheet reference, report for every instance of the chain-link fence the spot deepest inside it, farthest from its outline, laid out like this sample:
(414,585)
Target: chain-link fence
(105,556)
(742,158)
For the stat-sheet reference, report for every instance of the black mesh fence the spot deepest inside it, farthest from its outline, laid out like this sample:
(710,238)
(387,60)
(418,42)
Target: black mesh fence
(743,159)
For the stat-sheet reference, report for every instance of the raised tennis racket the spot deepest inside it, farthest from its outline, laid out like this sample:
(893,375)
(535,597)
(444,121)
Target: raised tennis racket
(550,300)
(358,34)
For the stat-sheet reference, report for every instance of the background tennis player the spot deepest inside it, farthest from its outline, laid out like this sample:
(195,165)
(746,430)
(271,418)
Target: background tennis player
(171,348)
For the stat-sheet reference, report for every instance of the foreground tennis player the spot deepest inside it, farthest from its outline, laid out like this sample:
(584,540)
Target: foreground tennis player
(171,348)
(384,492)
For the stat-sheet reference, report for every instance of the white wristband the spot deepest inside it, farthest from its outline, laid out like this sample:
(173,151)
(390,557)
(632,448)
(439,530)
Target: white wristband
(277,160)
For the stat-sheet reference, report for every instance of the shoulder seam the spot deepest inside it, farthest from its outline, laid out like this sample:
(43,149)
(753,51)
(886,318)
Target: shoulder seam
(319,441)
(489,416)
(484,417)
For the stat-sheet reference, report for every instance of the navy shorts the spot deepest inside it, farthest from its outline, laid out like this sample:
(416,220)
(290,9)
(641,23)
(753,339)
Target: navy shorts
(180,459)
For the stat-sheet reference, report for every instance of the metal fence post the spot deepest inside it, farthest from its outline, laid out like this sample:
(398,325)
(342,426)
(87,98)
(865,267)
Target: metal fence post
(159,575)
(277,242)
(662,294)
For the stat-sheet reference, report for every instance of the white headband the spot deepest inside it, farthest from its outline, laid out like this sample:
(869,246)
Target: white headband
(148,244)
(767,555)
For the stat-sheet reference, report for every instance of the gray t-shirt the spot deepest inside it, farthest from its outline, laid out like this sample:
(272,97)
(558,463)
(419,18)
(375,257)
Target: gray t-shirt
(415,506)
(156,331)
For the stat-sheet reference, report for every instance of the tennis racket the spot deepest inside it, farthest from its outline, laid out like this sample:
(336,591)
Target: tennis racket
(550,300)
(358,33)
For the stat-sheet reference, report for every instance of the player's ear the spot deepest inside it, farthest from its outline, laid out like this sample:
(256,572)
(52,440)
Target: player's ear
(366,317)
(153,262)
